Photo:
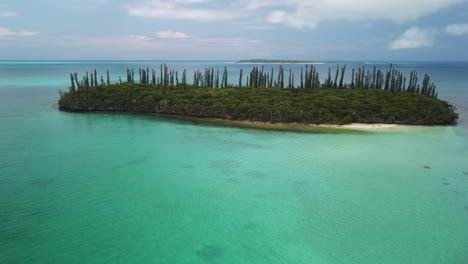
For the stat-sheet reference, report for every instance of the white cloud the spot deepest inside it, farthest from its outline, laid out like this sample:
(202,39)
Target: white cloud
(138,46)
(139,37)
(415,37)
(172,34)
(457,29)
(309,13)
(7,14)
(7,33)
(181,9)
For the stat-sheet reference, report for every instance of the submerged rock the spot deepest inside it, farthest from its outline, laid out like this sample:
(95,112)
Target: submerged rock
(466,173)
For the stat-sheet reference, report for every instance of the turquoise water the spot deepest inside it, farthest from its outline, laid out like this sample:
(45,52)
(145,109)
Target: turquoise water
(101,188)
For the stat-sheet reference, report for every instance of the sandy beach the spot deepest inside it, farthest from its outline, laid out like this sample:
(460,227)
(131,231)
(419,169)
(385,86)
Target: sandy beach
(369,127)
(319,128)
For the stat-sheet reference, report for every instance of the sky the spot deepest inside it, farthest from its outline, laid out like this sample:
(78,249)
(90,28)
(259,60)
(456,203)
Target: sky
(329,30)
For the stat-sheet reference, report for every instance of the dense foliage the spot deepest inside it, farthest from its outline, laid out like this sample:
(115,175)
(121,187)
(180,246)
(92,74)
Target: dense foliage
(309,106)
(390,80)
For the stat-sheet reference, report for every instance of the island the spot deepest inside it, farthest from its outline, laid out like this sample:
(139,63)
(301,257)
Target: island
(372,96)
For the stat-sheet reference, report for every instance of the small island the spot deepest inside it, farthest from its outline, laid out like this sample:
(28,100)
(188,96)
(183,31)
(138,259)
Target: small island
(372,96)
(269,61)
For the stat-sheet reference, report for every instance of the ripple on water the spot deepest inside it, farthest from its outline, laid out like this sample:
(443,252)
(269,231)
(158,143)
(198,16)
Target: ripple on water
(255,174)
(227,167)
(41,183)
(136,161)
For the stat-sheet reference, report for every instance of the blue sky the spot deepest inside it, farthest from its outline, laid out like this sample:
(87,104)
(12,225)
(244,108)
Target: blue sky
(237,29)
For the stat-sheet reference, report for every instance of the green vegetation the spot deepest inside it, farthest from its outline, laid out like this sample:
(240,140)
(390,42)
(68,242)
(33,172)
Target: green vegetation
(288,105)
(372,96)
(392,80)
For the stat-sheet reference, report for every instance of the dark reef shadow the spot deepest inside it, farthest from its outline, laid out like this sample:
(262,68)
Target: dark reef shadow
(136,161)
(210,252)
(233,180)
(251,226)
(227,167)
(255,174)
(222,164)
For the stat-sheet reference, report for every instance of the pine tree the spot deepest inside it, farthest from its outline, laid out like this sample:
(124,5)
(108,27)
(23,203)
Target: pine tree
(240,78)
(335,83)
(343,70)
(95,78)
(302,80)
(72,87)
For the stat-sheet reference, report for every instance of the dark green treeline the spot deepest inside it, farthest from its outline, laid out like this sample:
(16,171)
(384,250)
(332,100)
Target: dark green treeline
(390,80)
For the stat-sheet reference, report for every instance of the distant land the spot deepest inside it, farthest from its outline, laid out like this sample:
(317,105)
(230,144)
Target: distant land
(274,61)
(269,61)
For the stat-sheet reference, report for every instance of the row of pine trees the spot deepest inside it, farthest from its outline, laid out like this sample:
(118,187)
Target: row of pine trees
(390,80)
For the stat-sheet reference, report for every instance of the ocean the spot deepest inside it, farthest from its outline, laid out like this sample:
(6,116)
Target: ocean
(119,188)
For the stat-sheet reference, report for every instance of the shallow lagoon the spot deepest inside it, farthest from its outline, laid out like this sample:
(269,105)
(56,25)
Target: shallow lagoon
(102,188)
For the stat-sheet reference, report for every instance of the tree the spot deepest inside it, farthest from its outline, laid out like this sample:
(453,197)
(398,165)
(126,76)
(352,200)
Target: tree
(240,78)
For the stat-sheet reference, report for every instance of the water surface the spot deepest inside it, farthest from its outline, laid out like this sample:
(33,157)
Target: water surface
(103,188)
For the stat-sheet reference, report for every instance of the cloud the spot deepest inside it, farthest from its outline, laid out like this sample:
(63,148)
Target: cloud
(7,14)
(457,29)
(137,46)
(295,13)
(172,34)
(181,9)
(415,37)
(139,37)
(7,33)
(309,13)
(253,27)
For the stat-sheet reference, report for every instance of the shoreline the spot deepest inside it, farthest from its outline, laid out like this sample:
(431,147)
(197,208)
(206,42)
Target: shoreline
(353,128)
